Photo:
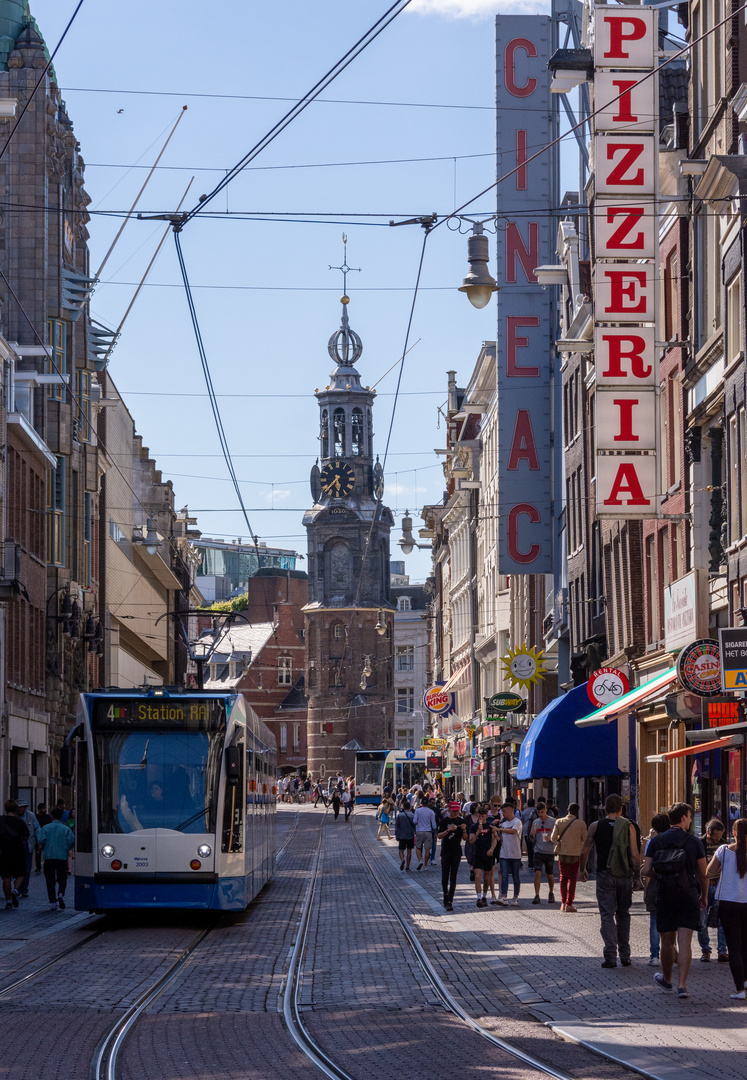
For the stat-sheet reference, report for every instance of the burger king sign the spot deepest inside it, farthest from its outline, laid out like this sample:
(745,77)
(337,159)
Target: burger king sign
(437,702)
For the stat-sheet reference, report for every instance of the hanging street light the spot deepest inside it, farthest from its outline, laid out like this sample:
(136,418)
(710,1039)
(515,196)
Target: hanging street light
(478,284)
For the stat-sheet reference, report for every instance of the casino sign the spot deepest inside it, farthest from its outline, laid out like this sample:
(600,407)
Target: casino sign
(437,702)
(699,667)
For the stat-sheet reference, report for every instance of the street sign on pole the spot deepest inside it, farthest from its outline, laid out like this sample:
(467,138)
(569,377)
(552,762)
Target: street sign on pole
(733,643)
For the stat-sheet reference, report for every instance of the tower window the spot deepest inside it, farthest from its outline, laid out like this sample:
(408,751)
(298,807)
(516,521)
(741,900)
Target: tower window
(325,433)
(357,433)
(338,432)
(339,630)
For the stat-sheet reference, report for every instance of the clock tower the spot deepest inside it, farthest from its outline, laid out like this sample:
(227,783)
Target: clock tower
(348,619)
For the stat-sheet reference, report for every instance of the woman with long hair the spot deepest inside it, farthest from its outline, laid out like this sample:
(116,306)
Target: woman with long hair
(732,902)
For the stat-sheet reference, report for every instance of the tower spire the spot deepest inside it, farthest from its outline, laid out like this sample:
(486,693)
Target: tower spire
(345,346)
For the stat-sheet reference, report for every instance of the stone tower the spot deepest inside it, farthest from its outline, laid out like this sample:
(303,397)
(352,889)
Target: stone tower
(348,628)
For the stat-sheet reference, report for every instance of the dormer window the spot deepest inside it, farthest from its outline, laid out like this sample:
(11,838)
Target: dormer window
(403,604)
(325,433)
(338,432)
(357,433)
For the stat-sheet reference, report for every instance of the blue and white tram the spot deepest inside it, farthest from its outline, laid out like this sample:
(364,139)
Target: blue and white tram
(375,768)
(175,800)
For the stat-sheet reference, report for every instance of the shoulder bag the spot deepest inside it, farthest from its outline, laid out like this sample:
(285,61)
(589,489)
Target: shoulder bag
(565,830)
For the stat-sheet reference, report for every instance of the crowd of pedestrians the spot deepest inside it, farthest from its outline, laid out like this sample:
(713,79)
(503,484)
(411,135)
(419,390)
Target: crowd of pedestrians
(690,884)
(25,840)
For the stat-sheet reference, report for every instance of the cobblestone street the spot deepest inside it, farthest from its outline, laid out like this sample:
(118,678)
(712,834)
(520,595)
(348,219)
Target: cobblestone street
(530,974)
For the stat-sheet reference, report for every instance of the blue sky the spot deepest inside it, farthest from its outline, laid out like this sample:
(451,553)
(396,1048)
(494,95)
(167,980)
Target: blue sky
(272,302)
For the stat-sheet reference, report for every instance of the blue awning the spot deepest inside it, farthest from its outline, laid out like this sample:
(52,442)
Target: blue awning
(555,747)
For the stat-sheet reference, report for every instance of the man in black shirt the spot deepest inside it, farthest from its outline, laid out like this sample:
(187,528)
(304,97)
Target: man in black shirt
(681,895)
(451,832)
(14,836)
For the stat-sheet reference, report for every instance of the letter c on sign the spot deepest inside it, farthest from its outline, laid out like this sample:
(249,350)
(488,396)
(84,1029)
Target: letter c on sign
(515,513)
(509,68)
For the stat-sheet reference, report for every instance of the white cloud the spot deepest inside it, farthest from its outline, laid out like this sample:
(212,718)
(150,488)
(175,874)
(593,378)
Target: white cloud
(277,495)
(478,9)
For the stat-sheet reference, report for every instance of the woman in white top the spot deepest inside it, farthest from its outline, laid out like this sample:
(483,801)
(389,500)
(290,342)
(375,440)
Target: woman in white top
(732,902)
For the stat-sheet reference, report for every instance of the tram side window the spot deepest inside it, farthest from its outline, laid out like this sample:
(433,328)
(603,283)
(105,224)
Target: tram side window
(233,806)
(83,823)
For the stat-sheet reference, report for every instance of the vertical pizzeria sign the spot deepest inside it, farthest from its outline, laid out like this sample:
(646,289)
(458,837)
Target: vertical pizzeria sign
(525,334)
(625,166)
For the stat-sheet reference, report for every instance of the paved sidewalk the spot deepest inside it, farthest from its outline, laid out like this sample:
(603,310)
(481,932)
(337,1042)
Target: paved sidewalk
(540,962)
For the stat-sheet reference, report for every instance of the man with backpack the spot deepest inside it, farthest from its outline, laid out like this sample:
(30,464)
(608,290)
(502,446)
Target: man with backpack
(618,858)
(677,860)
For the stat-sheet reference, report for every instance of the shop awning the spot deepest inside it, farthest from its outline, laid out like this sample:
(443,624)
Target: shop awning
(696,748)
(457,677)
(629,700)
(554,746)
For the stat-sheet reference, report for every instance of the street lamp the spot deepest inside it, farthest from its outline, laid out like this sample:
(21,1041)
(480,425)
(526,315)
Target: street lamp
(407,541)
(151,541)
(381,627)
(478,284)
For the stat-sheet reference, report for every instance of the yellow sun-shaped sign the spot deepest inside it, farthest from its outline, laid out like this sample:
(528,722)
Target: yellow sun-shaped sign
(523,666)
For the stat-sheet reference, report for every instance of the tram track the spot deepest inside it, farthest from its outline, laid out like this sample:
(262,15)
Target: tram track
(10,987)
(292,1013)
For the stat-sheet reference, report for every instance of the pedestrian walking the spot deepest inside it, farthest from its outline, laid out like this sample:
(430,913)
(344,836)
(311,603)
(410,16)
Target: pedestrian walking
(404,832)
(14,835)
(452,831)
(32,843)
(712,839)
(544,853)
(618,858)
(677,858)
(63,807)
(425,823)
(510,828)
(470,816)
(438,813)
(347,802)
(568,835)
(485,839)
(731,862)
(336,802)
(56,841)
(307,789)
(385,814)
(659,824)
(44,819)
(527,815)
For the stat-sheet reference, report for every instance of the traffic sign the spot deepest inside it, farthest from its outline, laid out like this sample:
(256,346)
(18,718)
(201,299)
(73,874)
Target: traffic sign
(733,643)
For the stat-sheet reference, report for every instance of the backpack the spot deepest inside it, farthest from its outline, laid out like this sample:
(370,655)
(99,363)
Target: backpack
(670,867)
(618,861)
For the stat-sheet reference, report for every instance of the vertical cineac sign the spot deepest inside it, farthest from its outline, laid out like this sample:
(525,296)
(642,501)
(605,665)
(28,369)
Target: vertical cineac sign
(625,273)
(526,321)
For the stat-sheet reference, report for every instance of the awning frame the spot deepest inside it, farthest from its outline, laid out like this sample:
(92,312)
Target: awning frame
(696,748)
(456,677)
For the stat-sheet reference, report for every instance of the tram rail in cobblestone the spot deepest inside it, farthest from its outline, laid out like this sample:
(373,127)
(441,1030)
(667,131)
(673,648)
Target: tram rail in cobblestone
(104,1062)
(441,990)
(5,990)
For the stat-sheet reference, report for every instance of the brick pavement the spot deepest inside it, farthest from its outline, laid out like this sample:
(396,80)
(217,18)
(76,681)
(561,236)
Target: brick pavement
(535,961)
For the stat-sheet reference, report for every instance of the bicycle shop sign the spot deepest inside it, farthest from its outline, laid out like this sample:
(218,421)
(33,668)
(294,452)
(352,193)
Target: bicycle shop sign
(606,685)
(626,282)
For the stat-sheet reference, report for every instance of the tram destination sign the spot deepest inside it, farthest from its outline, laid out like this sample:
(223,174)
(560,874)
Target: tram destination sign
(189,714)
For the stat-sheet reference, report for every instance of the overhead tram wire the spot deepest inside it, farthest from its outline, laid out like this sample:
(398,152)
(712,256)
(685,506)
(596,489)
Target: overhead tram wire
(40,80)
(361,44)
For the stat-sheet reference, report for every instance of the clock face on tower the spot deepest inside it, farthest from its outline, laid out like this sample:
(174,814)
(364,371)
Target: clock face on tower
(338,479)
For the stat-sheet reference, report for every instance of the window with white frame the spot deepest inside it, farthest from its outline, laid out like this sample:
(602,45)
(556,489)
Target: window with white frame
(405,738)
(285,670)
(283,738)
(403,604)
(734,318)
(405,699)
(296,738)
(405,658)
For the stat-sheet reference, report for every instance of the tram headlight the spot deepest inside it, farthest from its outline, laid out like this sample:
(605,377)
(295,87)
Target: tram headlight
(107,851)
(204,851)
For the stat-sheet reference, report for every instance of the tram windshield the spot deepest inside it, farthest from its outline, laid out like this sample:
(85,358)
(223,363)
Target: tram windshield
(369,765)
(156,779)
